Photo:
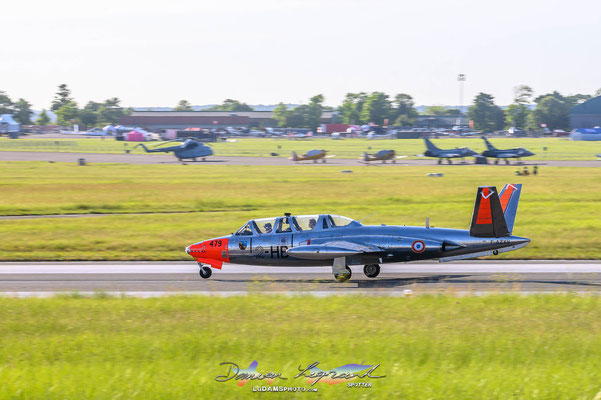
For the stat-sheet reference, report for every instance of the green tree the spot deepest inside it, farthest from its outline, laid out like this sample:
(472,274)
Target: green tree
(111,111)
(442,111)
(297,117)
(351,108)
(403,112)
(552,110)
(280,113)
(43,118)
(377,108)
(68,114)
(486,115)
(89,114)
(314,111)
(23,112)
(522,94)
(183,105)
(517,115)
(6,104)
(576,99)
(518,112)
(232,106)
(62,97)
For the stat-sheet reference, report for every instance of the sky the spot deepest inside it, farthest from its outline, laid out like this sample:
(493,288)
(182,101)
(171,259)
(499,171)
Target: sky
(155,53)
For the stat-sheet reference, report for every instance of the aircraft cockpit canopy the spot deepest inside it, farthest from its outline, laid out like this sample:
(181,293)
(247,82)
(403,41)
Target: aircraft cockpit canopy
(294,224)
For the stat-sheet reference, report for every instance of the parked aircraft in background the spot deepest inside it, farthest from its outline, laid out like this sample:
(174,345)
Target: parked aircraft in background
(433,151)
(312,155)
(506,154)
(190,149)
(324,239)
(300,135)
(382,155)
(373,135)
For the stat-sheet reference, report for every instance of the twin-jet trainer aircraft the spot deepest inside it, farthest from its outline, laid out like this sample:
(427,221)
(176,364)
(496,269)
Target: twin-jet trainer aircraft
(506,154)
(324,239)
(433,151)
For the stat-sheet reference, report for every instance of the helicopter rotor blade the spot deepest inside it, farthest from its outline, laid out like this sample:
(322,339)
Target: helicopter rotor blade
(165,142)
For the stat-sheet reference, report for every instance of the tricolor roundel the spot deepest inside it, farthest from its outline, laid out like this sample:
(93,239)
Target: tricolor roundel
(418,246)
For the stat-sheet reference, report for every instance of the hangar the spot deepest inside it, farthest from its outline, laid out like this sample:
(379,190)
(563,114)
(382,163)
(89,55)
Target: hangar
(587,114)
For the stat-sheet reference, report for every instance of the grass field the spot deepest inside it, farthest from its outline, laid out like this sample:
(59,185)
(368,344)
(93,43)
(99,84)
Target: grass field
(434,347)
(548,148)
(559,209)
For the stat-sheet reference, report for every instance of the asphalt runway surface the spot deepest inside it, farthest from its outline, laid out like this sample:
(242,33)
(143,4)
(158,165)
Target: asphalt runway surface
(146,279)
(218,160)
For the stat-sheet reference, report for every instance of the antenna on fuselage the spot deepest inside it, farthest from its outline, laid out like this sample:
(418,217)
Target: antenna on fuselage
(427,223)
(366,216)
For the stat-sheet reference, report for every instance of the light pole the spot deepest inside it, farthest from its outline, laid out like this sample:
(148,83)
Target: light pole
(461,78)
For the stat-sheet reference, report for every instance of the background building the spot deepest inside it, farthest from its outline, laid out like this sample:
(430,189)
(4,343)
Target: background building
(157,120)
(587,114)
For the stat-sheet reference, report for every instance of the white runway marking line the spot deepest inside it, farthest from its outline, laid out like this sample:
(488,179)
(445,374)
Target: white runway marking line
(416,268)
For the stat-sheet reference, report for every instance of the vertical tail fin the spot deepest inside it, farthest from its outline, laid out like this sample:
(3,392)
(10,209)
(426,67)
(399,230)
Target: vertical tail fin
(509,197)
(488,219)
(489,145)
(430,146)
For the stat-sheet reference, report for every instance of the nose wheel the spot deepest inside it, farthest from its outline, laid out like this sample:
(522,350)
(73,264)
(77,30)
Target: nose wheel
(205,272)
(371,270)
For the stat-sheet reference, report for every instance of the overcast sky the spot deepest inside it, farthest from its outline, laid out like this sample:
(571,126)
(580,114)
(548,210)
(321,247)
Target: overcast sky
(154,53)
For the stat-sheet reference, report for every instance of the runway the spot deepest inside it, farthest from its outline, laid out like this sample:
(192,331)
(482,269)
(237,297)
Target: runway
(145,279)
(92,158)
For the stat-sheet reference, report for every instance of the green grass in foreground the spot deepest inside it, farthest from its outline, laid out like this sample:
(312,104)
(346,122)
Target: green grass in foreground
(436,347)
(545,148)
(559,209)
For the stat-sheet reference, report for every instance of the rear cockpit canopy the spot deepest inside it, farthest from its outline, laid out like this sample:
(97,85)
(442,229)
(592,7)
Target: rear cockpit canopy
(294,224)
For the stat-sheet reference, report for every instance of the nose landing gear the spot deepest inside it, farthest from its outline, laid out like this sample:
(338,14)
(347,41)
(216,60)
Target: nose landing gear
(204,272)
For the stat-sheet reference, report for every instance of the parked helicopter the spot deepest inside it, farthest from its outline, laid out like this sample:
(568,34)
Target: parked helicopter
(433,151)
(312,155)
(382,155)
(190,149)
(325,239)
(506,154)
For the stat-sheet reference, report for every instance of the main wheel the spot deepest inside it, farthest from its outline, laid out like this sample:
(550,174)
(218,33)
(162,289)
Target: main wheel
(344,276)
(205,272)
(371,270)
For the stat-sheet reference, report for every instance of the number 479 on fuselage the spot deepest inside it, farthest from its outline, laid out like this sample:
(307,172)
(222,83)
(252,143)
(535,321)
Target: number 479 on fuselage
(325,239)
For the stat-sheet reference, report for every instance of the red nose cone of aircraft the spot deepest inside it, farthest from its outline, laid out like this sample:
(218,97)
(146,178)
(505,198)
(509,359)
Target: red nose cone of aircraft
(213,252)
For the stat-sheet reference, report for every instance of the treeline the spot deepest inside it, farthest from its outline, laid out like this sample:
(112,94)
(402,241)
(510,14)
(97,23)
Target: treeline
(66,109)
(21,109)
(551,110)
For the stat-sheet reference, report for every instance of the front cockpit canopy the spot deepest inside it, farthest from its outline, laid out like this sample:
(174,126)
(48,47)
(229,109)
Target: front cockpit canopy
(294,224)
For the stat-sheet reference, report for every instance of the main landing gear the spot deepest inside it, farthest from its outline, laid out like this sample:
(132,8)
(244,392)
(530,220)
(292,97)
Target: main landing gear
(344,275)
(204,272)
(371,270)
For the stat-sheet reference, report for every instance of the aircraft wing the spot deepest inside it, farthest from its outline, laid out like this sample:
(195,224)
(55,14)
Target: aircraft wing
(330,250)
(506,155)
